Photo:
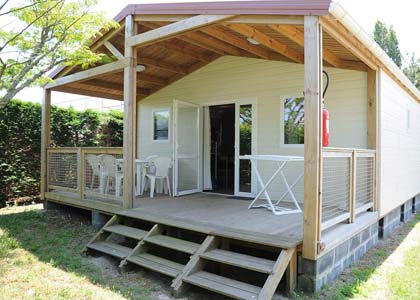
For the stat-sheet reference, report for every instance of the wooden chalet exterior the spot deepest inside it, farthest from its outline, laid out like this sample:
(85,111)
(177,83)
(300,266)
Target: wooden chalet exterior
(257,53)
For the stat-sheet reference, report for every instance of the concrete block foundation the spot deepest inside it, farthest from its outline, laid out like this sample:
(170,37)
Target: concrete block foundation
(313,275)
(99,219)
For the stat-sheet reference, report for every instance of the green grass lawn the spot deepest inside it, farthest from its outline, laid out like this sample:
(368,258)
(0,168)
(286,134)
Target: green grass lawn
(39,259)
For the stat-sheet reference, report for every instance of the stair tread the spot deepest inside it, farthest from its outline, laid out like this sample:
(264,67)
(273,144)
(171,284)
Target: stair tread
(127,231)
(223,285)
(110,248)
(173,243)
(156,263)
(240,260)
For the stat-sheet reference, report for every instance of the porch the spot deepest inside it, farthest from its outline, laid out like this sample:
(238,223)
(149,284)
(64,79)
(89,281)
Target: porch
(348,198)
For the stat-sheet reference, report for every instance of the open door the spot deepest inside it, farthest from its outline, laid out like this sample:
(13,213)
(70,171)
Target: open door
(186,143)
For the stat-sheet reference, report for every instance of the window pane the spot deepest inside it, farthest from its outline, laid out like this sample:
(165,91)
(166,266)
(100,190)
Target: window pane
(294,120)
(160,125)
(245,129)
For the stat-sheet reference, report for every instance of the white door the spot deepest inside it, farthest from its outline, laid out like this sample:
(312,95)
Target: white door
(245,144)
(186,143)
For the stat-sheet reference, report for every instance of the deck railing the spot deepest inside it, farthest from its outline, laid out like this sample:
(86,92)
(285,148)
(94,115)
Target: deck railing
(86,173)
(348,184)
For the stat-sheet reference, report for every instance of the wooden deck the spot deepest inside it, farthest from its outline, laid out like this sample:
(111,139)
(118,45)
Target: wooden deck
(222,216)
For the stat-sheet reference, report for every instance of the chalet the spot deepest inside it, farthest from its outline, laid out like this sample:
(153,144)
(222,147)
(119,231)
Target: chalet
(267,144)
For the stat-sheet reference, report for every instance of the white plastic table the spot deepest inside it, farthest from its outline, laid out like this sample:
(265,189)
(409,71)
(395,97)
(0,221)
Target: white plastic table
(281,162)
(139,163)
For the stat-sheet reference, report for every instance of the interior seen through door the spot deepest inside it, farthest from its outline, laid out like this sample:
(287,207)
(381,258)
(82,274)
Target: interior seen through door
(222,146)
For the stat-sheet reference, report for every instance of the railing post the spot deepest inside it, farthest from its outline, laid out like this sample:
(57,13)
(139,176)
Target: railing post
(81,172)
(352,199)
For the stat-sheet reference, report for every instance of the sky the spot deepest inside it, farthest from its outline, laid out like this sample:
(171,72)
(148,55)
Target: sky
(401,14)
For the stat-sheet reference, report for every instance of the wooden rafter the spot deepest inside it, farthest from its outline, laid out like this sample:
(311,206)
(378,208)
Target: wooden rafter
(174,29)
(177,77)
(241,43)
(267,41)
(114,86)
(294,34)
(205,41)
(348,42)
(162,65)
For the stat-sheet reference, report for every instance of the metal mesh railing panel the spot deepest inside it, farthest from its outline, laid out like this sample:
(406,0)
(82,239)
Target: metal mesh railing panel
(62,170)
(103,176)
(364,181)
(335,187)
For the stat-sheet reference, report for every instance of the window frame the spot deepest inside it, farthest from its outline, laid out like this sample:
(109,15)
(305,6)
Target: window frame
(282,115)
(158,110)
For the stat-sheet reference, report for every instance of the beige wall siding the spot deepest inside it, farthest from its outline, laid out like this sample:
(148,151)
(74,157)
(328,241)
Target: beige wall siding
(268,83)
(400,145)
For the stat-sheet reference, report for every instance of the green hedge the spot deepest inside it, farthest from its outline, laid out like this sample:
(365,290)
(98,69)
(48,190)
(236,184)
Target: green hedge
(20,140)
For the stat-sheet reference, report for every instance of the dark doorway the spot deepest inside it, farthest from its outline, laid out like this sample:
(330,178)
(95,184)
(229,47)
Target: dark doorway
(222,123)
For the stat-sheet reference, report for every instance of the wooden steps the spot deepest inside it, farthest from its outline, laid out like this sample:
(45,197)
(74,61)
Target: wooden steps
(222,285)
(173,243)
(240,260)
(109,248)
(156,263)
(126,231)
(157,249)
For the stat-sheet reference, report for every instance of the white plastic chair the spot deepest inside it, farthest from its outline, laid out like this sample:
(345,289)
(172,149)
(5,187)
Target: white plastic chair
(94,162)
(109,169)
(162,166)
(147,168)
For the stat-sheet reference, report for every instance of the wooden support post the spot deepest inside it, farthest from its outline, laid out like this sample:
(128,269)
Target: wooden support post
(130,114)
(45,139)
(372,120)
(291,273)
(313,147)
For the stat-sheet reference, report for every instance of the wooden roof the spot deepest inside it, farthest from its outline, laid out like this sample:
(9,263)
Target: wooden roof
(280,38)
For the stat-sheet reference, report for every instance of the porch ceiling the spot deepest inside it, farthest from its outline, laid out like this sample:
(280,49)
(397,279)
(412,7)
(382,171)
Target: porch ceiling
(170,60)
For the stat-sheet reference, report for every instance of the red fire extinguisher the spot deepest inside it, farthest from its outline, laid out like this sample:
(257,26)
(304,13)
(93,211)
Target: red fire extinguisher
(325,115)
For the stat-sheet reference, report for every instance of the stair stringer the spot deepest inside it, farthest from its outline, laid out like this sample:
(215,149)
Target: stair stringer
(194,264)
(101,235)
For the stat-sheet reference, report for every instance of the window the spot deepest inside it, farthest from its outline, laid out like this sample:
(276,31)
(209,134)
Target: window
(161,125)
(294,121)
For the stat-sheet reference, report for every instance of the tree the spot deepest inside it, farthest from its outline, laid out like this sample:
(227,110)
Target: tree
(412,71)
(388,40)
(45,34)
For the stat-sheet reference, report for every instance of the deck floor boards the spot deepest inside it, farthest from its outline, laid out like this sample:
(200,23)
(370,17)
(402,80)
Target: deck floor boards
(223,216)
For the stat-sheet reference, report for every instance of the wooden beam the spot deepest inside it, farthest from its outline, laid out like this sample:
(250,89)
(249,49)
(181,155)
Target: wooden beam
(45,139)
(162,65)
(90,73)
(240,43)
(174,29)
(248,19)
(113,50)
(267,41)
(89,93)
(312,149)
(130,115)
